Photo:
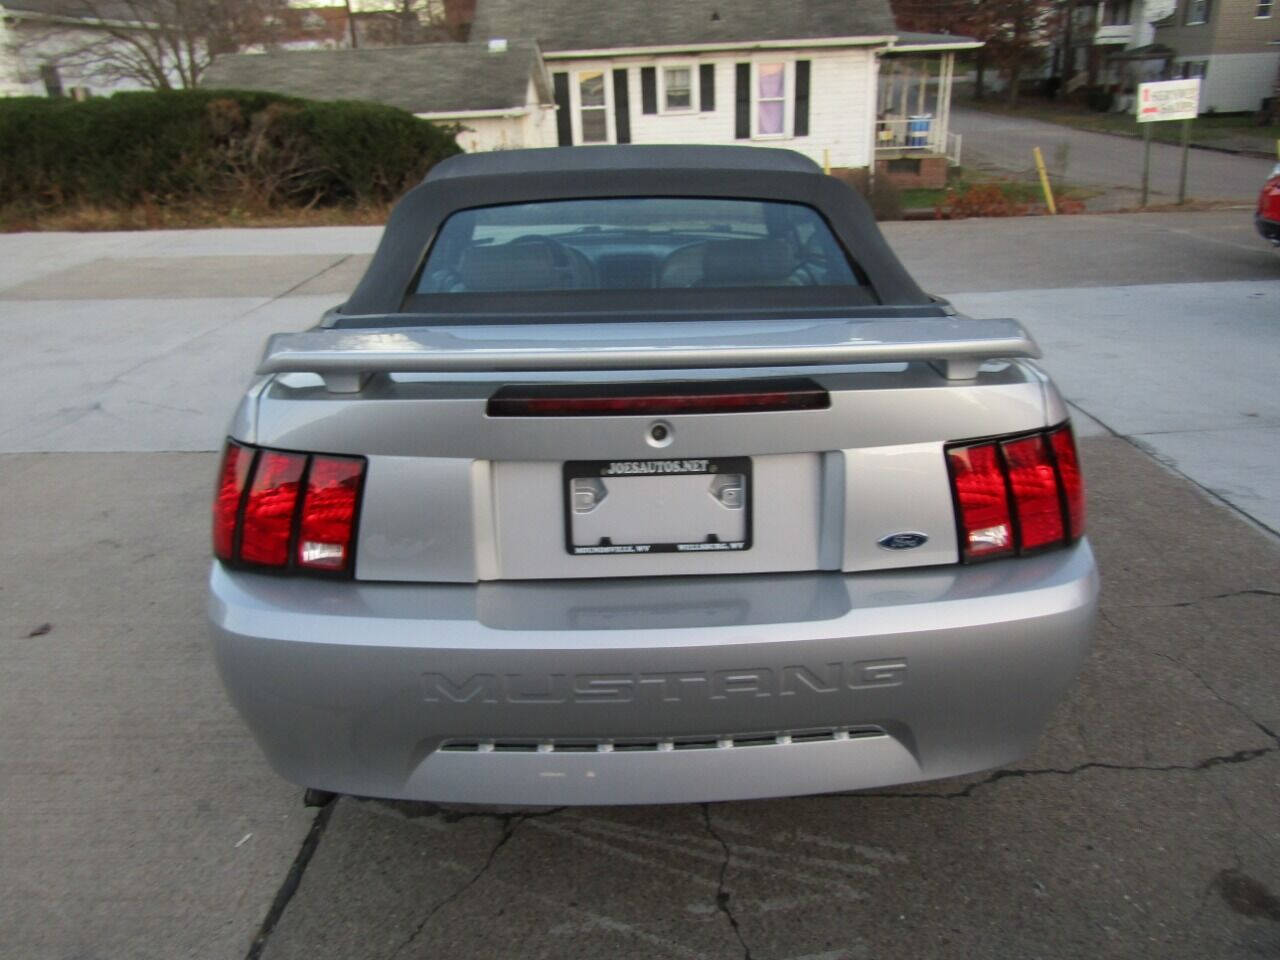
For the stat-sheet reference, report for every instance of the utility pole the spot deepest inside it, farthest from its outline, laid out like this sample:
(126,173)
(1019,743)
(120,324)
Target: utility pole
(351,25)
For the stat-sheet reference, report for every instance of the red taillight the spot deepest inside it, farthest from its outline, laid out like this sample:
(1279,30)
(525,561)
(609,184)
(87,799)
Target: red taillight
(262,512)
(649,399)
(226,503)
(983,501)
(328,512)
(1035,491)
(1017,495)
(268,512)
(1064,450)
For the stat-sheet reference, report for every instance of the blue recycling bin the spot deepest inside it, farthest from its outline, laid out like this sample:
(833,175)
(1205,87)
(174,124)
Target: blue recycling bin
(918,130)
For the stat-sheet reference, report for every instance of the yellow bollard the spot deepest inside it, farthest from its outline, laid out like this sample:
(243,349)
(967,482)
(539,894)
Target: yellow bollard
(1044,181)
(826,159)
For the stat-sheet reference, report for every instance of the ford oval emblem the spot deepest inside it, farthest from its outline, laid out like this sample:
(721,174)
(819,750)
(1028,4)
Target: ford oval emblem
(903,541)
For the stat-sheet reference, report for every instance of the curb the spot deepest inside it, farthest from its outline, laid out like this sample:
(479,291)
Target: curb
(917,214)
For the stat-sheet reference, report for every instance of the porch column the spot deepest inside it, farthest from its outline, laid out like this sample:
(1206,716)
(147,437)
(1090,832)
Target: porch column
(944,97)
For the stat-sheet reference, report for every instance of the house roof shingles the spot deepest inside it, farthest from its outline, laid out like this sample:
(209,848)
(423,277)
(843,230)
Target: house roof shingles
(430,78)
(562,25)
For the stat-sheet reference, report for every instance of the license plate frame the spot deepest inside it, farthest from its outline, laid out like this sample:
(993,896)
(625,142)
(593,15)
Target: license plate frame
(655,469)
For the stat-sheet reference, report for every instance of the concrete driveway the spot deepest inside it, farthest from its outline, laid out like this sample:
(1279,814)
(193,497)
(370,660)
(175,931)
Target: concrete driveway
(138,820)
(1112,163)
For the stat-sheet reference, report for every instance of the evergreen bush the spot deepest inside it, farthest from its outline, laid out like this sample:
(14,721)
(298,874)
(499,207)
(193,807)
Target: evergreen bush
(209,147)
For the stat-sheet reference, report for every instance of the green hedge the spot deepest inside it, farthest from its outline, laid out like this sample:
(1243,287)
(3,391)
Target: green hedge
(210,146)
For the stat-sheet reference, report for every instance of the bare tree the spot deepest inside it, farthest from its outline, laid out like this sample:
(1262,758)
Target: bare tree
(160,44)
(458,15)
(408,22)
(1016,33)
(398,23)
(932,16)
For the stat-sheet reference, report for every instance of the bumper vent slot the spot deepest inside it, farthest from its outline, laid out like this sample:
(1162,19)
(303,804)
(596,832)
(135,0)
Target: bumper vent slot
(662,744)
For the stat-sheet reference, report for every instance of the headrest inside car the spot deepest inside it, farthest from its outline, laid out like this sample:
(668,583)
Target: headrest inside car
(509,266)
(745,263)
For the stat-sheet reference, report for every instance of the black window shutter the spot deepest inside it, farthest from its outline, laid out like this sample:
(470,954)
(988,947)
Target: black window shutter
(802,99)
(648,90)
(742,104)
(564,122)
(621,107)
(707,87)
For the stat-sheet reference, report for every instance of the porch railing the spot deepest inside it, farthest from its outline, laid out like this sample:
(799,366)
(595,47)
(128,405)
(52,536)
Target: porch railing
(954,142)
(916,136)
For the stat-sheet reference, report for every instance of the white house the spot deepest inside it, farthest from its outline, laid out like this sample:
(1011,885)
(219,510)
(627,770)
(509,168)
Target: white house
(831,79)
(802,75)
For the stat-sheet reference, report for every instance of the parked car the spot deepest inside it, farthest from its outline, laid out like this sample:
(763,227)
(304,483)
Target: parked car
(642,475)
(1267,217)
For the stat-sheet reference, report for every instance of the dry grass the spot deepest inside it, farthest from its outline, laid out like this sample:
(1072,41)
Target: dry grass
(153,216)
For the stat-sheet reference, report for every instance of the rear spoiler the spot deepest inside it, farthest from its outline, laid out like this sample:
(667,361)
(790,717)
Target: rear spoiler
(956,345)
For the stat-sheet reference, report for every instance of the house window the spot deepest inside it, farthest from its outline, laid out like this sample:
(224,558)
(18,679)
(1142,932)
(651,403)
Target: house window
(593,110)
(1264,10)
(677,89)
(1194,68)
(771,99)
(1119,13)
(1197,12)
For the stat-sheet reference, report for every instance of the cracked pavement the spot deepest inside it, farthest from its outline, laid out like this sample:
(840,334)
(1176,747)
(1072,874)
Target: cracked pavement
(1157,834)
(723,896)
(139,821)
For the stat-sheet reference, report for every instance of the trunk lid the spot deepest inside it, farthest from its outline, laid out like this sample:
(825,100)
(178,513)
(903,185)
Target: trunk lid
(456,493)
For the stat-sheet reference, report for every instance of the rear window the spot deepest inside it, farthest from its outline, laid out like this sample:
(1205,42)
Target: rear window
(634,243)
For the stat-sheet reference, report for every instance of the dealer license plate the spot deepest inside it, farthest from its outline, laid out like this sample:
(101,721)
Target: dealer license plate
(686,505)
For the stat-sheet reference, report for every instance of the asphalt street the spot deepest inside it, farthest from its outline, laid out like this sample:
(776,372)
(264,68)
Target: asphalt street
(137,819)
(1113,163)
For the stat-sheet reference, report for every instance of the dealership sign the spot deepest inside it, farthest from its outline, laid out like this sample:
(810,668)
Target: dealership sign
(1168,100)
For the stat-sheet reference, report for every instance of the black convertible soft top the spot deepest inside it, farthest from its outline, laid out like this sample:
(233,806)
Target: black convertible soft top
(521,176)
(621,158)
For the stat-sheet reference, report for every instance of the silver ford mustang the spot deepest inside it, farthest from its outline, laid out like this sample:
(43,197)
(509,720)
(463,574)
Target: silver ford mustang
(642,475)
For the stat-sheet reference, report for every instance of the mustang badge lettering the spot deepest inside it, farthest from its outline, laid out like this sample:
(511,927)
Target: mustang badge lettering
(699,685)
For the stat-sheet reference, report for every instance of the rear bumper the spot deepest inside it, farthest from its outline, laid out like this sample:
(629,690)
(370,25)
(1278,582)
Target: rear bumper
(652,690)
